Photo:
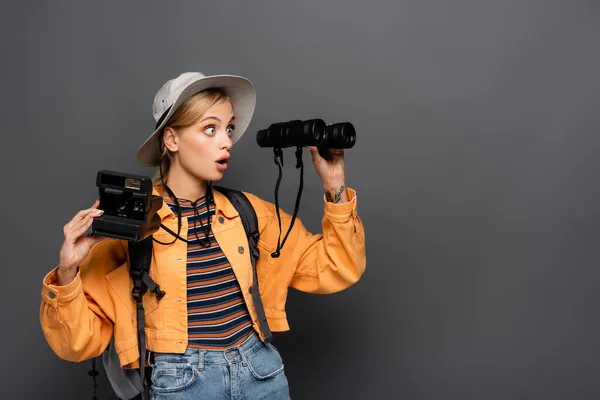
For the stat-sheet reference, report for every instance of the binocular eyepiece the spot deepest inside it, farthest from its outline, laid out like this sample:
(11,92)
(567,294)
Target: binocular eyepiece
(313,132)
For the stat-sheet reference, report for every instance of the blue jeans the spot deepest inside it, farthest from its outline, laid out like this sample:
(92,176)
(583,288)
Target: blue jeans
(253,370)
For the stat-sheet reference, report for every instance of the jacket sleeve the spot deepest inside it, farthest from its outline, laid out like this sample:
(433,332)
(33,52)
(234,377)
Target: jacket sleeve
(75,326)
(335,259)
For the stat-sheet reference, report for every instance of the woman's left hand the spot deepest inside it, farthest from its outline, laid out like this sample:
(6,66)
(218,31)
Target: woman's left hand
(331,171)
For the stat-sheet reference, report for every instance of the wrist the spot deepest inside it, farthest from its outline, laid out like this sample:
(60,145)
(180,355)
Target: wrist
(65,275)
(336,192)
(334,183)
(66,266)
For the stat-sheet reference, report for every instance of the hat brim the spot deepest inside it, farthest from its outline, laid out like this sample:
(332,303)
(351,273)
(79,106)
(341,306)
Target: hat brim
(239,89)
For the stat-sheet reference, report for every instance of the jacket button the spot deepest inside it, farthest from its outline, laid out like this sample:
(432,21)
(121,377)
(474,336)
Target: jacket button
(221,220)
(52,295)
(241,249)
(250,290)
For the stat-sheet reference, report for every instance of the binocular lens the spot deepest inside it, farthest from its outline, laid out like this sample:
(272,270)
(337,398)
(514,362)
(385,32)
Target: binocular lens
(341,136)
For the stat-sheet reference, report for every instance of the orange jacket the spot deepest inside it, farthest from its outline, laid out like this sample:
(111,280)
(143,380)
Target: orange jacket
(79,319)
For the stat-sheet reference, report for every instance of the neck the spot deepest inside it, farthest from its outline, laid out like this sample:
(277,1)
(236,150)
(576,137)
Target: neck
(186,186)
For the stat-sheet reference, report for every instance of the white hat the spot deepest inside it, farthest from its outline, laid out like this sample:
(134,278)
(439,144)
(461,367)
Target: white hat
(176,91)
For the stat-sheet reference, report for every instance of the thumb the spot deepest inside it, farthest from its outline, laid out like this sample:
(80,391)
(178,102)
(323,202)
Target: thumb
(314,152)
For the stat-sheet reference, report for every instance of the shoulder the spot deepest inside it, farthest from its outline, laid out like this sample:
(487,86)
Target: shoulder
(263,208)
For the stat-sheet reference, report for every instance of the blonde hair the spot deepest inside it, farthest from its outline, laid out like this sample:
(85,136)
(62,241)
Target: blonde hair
(186,115)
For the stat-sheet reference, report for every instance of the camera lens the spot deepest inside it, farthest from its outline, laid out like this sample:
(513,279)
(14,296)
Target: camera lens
(122,208)
(138,206)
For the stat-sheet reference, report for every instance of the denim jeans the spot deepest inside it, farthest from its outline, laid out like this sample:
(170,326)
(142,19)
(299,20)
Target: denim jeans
(253,370)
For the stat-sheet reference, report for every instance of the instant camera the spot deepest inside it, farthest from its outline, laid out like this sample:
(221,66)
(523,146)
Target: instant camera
(130,208)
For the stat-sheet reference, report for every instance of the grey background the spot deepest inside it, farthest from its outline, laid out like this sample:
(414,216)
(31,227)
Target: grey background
(476,168)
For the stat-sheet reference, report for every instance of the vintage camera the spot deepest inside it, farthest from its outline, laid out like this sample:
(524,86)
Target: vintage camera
(313,132)
(130,208)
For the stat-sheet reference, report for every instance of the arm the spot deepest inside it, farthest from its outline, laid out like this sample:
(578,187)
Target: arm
(336,259)
(75,326)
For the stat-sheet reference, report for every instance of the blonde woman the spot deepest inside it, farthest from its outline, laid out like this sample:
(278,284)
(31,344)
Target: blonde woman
(203,337)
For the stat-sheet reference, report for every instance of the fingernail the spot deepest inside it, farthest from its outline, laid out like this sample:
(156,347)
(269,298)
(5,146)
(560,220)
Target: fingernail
(99,212)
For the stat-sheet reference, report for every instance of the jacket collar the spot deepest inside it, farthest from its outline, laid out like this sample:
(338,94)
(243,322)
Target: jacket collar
(222,205)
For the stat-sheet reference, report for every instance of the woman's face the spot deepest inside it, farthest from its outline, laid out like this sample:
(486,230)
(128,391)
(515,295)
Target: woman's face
(203,149)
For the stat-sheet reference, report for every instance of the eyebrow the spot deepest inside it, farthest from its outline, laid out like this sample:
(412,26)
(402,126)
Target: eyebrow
(216,118)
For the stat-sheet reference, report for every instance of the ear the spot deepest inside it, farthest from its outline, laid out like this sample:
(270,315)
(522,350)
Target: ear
(170,139)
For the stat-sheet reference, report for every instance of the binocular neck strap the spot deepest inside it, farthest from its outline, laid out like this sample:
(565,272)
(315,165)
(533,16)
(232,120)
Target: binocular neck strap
(278,153)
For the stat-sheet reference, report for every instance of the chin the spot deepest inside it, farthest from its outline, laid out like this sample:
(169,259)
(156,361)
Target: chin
(217,177)
(214,176)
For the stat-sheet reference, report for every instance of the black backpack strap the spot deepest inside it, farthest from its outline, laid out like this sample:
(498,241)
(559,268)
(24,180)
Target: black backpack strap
(250,222)
(140,257)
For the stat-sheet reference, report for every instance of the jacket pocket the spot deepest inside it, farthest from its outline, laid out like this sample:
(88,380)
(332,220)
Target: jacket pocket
(121,283)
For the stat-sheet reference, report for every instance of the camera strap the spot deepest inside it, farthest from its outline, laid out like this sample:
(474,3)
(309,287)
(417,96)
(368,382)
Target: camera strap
(278,156)
(140,257)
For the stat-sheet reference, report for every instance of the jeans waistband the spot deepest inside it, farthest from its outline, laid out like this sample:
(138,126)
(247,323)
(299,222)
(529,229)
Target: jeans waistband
(200,357)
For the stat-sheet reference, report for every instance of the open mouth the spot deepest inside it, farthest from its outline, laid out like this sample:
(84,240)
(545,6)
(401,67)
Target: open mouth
(222,162)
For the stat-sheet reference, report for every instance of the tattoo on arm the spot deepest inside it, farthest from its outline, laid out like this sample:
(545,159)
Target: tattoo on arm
(335,196)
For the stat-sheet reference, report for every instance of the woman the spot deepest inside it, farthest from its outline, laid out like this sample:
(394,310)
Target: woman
(203,335)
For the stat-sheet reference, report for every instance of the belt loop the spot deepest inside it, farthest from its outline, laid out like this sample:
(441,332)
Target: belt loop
(151,358)
(244,356)
(200,359)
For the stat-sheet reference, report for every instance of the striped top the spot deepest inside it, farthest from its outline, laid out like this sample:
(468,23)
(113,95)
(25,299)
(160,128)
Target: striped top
(217,314)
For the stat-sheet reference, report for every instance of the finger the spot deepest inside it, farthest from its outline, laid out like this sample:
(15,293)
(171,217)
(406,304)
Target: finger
(76,233)
(314,152)
(76,225)
(325,153)
(80,216)
(87,219)
(83,213)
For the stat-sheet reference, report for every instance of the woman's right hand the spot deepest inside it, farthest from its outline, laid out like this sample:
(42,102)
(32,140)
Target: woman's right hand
(76,245)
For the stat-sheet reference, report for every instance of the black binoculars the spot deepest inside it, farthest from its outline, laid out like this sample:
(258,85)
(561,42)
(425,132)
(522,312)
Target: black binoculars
(313,132)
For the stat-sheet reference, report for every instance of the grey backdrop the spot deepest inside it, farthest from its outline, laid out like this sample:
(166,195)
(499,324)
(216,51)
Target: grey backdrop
(476,168)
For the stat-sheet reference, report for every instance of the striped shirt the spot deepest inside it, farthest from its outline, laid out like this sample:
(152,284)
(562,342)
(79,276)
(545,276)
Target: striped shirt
(217,314)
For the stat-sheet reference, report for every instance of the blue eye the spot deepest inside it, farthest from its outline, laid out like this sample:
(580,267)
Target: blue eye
(230,130)
(210,130)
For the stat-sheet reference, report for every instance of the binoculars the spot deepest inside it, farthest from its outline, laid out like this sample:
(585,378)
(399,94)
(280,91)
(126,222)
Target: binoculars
(313,132)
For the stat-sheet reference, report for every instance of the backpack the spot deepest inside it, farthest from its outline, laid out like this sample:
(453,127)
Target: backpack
(131,384)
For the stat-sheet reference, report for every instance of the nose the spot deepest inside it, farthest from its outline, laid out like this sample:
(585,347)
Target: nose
(226,142)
